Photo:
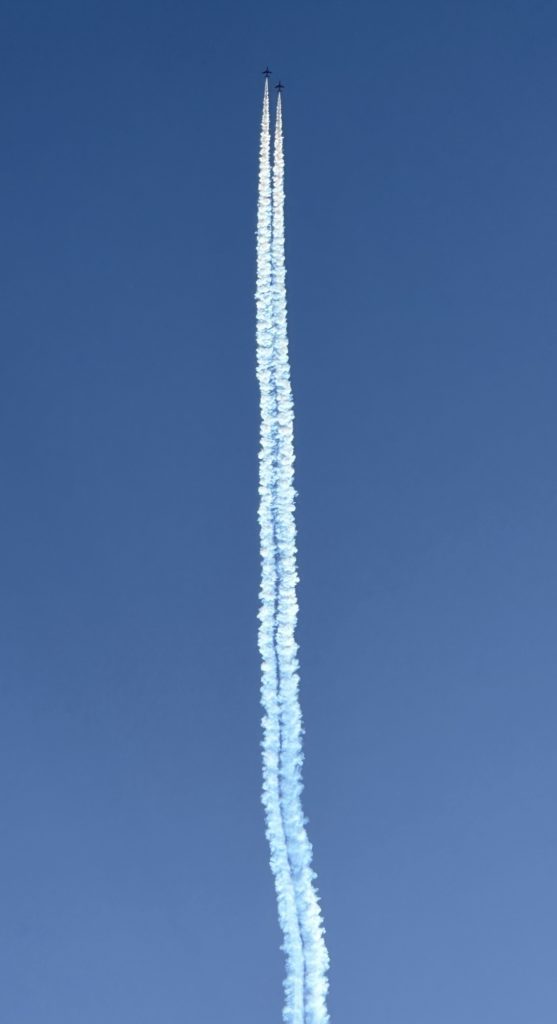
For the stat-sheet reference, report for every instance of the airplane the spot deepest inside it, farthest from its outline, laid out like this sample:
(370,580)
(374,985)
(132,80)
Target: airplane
(267,71)
(280,86)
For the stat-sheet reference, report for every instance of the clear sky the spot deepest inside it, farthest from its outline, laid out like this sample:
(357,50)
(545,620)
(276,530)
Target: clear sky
(422,255)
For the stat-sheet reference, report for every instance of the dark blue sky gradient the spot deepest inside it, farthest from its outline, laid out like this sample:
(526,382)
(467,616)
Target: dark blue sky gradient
(422,255)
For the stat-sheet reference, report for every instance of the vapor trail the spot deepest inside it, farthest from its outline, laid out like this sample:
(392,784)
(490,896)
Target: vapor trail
(268,613)
(299,849)
(299,911)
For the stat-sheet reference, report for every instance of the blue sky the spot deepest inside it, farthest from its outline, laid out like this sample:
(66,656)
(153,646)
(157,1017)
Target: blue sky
(422,246)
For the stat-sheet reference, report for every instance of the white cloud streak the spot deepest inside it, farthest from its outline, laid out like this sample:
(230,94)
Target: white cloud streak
(290,850)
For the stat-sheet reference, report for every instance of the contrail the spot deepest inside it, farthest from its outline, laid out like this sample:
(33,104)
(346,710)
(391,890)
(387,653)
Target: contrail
(299,912)
(286,897)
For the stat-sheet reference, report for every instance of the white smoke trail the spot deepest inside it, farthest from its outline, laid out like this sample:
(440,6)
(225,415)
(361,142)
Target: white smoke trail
(298,906)
(299,849)
(286,897)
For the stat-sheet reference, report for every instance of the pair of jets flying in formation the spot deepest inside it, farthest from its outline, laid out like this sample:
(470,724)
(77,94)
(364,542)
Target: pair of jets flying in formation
(267,72)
